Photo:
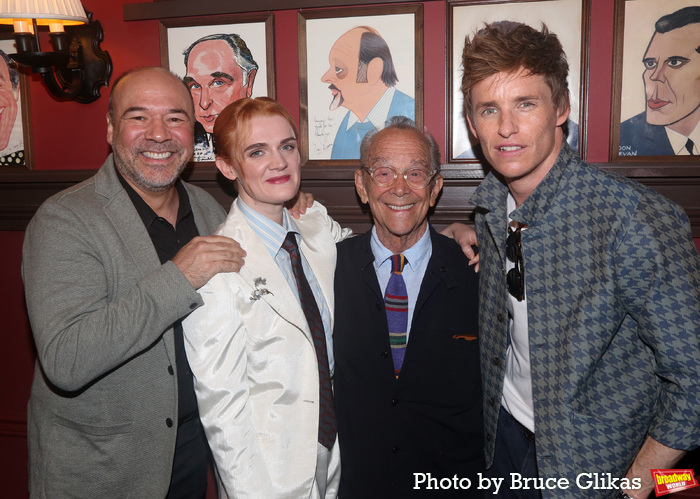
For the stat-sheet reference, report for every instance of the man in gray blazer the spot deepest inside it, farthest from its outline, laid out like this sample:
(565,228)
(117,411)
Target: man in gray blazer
(110,267)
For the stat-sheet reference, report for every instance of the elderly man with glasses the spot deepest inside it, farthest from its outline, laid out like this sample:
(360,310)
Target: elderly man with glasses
(407,385)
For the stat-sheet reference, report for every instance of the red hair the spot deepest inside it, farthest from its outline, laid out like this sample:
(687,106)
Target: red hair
(232,126)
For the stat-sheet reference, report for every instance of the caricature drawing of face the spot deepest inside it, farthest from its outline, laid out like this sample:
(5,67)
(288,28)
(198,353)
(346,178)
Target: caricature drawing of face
(215,80)
(8,104)
(355,86)
(672,78)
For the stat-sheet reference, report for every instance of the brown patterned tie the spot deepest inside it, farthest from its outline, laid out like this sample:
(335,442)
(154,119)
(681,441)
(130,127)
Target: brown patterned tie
(327,427)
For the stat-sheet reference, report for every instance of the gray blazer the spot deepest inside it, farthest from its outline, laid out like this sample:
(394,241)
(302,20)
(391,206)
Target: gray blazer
(102,415)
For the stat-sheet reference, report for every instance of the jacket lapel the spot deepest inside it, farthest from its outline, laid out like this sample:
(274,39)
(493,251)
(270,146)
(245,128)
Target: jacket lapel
(315,243)
(435,273)
(364,262)
(126,221)
(259,264)
(490,200)
(120,211)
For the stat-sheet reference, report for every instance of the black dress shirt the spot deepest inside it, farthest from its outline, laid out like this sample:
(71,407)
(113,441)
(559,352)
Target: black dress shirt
(168,240)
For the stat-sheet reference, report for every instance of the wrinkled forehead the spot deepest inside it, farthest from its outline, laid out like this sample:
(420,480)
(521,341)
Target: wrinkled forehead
(401,148)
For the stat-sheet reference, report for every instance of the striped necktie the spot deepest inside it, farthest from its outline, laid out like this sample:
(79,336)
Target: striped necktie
(396,306)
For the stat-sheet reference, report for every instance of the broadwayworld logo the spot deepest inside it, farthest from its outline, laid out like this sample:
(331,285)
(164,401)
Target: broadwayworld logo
(670,481)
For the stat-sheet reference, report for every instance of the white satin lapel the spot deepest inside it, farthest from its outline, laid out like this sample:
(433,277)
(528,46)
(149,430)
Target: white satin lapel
(319,249)
(259,264)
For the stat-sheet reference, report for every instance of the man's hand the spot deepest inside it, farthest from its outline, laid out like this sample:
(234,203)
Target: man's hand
(465,236)
(652,455)
(298,204)
(204,257)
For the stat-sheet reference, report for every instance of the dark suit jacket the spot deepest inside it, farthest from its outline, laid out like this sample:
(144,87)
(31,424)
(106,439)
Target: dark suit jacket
(430,419)
(639,138)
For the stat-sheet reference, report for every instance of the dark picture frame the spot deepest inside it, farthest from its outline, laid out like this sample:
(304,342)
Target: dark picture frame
(633,138)
(257,33)
(560,16)
(401,28)
(19,147)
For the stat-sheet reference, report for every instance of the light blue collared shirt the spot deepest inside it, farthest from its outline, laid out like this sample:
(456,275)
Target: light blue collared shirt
(379,114)
(273,235)
(417,257)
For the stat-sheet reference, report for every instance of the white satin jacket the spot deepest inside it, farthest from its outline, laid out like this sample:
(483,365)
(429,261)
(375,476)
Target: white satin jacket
(255,368)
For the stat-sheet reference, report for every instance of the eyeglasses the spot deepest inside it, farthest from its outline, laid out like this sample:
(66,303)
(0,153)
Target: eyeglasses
(416,178)
(516,276)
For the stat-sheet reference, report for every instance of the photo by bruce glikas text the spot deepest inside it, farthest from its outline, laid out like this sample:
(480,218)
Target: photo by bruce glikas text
(584,481)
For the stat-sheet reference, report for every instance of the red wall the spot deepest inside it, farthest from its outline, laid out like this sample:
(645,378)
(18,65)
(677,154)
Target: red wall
(68,135)
(136,43)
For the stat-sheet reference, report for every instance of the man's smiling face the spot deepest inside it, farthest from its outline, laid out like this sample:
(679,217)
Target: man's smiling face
(400,212)
(518,125)
(152,129)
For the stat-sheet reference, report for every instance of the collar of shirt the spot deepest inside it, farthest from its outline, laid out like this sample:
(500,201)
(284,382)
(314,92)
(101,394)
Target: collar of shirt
(679,140)
(270,233)
(417,257)
(145,211)
(379,113)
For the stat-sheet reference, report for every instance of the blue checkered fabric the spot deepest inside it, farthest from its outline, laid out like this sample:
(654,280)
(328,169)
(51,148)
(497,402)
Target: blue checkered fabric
(613,297)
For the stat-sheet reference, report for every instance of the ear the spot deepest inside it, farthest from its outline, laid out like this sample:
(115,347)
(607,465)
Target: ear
(437,187)
(360,186)
(563,114)
(251,80)
(110,129)
(226,169)
(374,70)
(471,126)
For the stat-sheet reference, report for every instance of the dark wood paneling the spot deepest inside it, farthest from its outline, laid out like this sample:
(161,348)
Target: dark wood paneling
(21,193)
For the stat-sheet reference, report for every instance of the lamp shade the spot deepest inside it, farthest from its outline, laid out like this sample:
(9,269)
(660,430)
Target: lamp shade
(67,12)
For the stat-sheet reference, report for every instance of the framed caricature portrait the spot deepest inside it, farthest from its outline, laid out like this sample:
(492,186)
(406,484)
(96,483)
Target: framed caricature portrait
(357,68)
(15,133)
(566,18)
(656,89)
(222,59)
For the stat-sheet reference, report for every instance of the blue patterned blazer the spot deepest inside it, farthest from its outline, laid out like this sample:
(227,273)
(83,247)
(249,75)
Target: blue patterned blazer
(613,290)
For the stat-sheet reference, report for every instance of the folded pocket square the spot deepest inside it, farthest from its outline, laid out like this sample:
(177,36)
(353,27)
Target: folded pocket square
(468,337)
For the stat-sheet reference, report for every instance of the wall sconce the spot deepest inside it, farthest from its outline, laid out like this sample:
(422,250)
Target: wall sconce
(77,67)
